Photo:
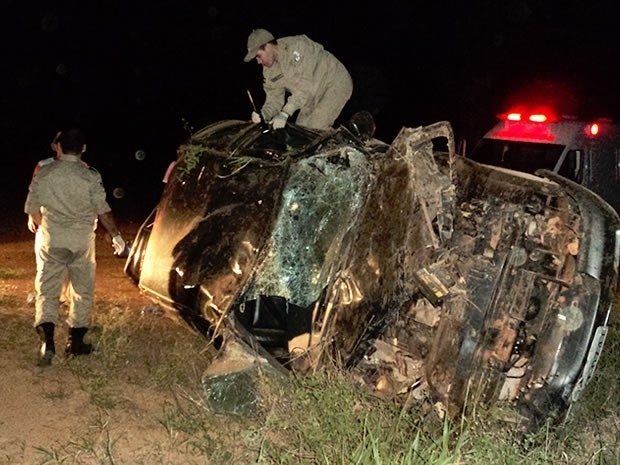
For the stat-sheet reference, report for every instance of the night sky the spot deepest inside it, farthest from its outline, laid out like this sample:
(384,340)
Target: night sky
(137,75)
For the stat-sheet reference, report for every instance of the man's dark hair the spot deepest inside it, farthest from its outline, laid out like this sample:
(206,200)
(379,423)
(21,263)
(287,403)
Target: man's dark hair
(71,140)
(272,42)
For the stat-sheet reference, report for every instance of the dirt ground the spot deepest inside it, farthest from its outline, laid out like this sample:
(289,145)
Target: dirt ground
(52,414)
(120,404)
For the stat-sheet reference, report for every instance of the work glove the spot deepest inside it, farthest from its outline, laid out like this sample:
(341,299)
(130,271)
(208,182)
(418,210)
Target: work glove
(256,118)
(279,121)
(119,245)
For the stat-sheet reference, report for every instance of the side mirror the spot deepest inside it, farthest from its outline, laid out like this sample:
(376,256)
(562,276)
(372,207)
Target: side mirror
(362,125)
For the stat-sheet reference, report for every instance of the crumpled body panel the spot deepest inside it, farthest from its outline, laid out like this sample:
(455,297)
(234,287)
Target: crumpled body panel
(430,275)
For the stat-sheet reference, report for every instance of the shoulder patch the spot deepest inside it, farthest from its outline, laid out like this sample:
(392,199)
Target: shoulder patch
(277,77)
(46,161)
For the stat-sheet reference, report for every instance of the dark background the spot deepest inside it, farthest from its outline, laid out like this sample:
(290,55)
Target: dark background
(139,75)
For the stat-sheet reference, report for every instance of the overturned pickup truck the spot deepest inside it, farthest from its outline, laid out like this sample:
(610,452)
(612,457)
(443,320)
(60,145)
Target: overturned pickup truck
(433,276)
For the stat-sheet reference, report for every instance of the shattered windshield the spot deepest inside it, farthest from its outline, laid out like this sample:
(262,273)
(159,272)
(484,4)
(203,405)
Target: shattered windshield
(320,201)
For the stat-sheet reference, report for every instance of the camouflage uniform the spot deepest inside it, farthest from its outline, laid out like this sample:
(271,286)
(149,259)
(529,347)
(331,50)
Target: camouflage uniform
(318,82)
(69,197)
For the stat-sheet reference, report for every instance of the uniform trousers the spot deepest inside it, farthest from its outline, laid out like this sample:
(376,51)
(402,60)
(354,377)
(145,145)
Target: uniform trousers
(54,264)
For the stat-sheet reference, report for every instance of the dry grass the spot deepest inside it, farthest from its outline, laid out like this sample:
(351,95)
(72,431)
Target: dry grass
(138,400)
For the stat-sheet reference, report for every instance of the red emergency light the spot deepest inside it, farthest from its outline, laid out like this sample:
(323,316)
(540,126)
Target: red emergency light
(537,124)
(539,116)
(527,124)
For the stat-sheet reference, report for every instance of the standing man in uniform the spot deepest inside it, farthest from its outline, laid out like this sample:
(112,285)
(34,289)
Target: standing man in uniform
(318,84)
(64,201)
(65,293)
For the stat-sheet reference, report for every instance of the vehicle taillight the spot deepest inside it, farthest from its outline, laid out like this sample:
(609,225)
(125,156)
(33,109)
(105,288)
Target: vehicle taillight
(592,129)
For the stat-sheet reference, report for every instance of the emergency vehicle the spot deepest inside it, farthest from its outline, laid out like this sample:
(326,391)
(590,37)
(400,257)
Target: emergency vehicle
(529,139)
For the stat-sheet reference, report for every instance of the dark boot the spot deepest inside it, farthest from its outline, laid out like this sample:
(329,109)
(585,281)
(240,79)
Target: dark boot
(47,349)
(76,344)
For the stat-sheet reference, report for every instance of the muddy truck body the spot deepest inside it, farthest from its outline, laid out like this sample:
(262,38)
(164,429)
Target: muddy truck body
(427,275)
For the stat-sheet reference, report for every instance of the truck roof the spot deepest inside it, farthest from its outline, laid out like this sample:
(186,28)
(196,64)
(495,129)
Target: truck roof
(539,128)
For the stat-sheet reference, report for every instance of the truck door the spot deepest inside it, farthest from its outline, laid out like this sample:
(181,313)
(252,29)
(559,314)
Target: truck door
(603,175)
(573,165)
